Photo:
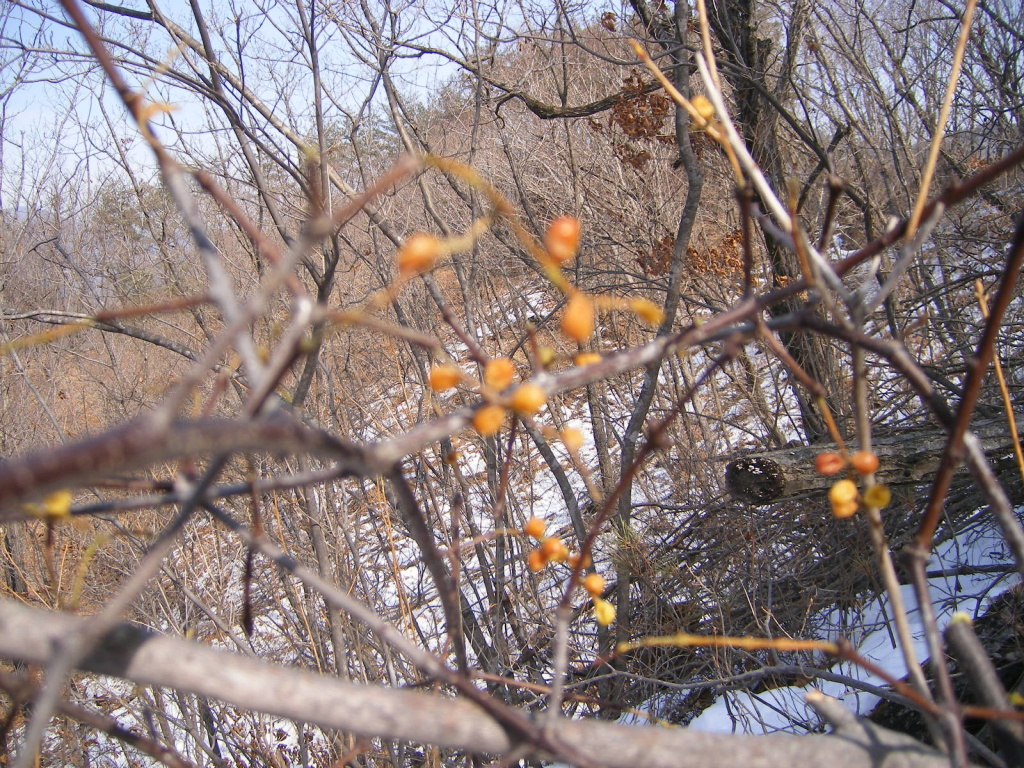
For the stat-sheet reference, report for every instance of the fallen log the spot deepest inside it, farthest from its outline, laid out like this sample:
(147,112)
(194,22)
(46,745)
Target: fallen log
(907,457)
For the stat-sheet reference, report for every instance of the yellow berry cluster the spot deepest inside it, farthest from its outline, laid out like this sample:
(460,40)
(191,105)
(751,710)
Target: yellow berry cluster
(499,373)
(844,496)
(420,252)
(551,549)
(580,317)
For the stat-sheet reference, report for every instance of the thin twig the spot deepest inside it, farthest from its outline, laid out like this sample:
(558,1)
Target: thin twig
(1004,391)
(952,725)
(984,679)
(518,725)
(977,369)
(421,532)
(21,688)
(940,128)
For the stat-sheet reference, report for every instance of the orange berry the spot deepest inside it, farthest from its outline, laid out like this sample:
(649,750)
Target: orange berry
(563,238)
(572,438)
(551,545)
(444,377)
(418,253)
(864,462)
(594,584)
(586,358)
(528,399)
(536,560)
(574,561)
(604,612)
(535,527)
(828,463)
(704,107)
(877,496)
(498,373)
(488,419)
(647,311)
(579,318)
(844,509)
(843,492)
(554,549)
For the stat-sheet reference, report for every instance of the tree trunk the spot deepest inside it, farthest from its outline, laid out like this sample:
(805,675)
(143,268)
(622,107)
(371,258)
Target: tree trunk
(735,24)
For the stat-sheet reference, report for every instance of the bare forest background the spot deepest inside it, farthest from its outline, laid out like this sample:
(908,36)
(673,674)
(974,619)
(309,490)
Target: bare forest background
(206,338)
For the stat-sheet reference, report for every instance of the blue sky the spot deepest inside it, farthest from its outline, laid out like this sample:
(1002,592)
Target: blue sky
(62,117)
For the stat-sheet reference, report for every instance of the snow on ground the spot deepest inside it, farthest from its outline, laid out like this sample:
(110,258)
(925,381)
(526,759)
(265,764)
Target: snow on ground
(869,629)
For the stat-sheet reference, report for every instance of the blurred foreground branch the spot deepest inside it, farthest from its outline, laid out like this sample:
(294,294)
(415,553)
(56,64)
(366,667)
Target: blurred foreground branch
(134,654)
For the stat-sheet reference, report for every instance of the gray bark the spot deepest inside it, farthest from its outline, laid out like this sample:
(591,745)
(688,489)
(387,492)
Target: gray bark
(135,654)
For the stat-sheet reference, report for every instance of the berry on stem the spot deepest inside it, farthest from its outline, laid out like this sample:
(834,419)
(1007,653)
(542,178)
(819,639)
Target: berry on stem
(877,496)
(703,106)
(843,497)
(845,509)
(842,491)
(575,561)
(864,462)
(554,549)
(498,373)
(536,560)
(444,377)
(535,527)
(647,311)
(828,463)
(488,419)
(604,612)
(418,253)
(572,438)
(57,504)
(563,238)
(594,584)
(528,399)
(579,318)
